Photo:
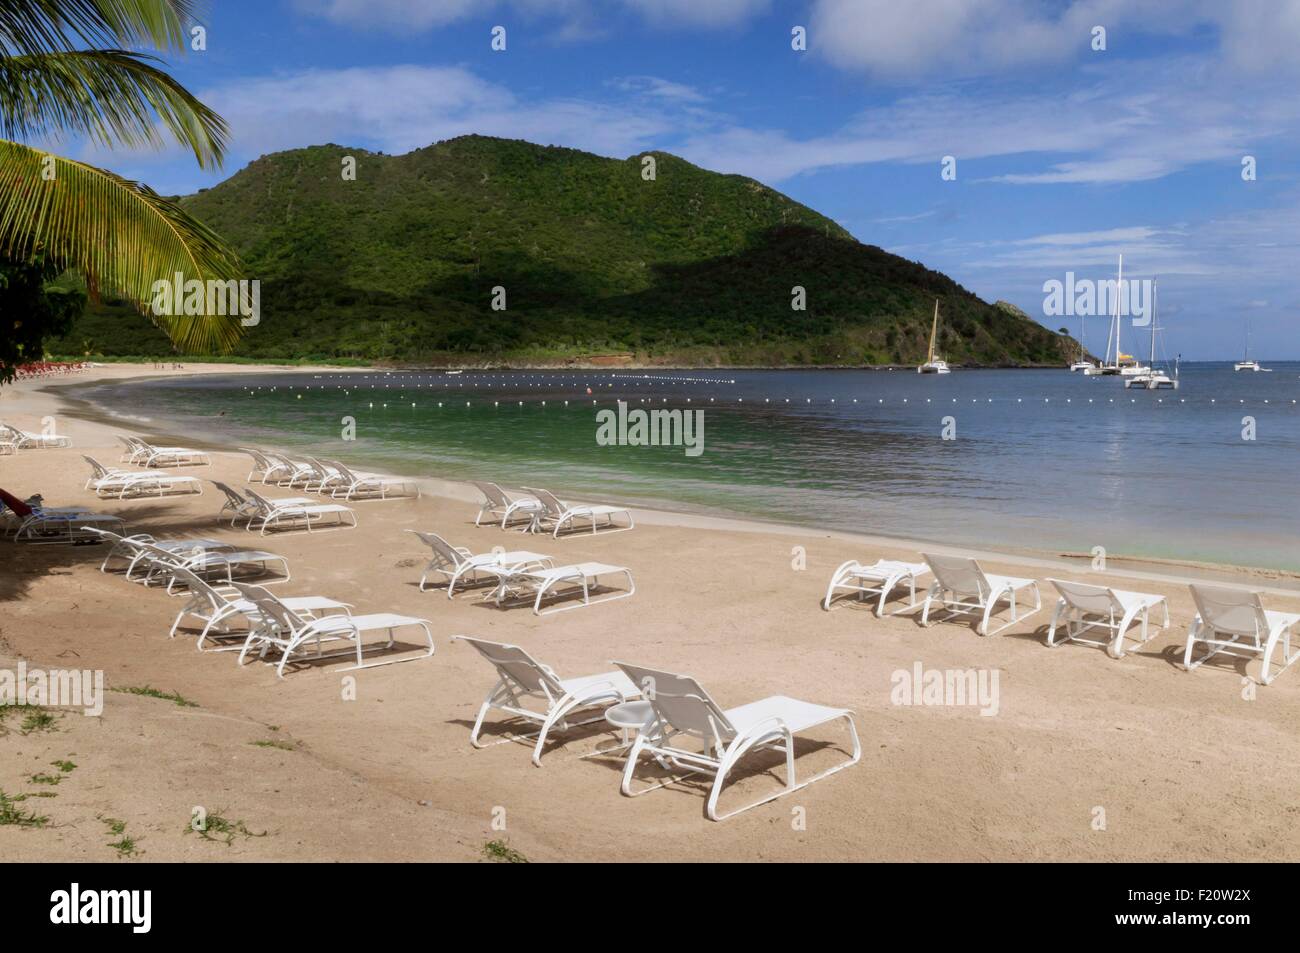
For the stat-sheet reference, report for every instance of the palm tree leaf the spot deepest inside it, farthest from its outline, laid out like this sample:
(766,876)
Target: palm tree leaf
(47,26)
(121,235)
(109,96)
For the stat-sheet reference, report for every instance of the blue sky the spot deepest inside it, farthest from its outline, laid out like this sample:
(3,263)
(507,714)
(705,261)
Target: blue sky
(1066,156)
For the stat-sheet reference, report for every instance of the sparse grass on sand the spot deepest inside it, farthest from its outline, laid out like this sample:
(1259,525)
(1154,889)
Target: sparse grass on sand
(500,852)
(150,692)
(220,829)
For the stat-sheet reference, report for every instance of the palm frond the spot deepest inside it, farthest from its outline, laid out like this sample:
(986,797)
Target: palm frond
(49,26)
(121,235)
(110,96)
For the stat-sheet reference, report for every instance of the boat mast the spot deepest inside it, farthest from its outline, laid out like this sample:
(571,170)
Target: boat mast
(934,329)
(1119,286)
(1154,312)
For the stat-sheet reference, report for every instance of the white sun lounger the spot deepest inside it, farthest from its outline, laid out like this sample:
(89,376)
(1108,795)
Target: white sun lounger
(241,507)
(557,515)
(538,585)
(1083,607)
(128,548)
(1234,622)
(69,525)
(498,504)
(273,513)
(160,564)
(456,563)
(683,709)
(878,579)
(121,484)
(215,605)
(520,677)
(281,628)
(143,454)
(350,484)
(26,440)
(963,588)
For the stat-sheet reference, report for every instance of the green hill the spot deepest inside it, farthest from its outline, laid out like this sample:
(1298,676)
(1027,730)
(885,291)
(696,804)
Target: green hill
(597,263)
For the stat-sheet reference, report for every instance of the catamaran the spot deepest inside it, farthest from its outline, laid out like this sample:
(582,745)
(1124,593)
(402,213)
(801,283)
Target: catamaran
(1082,364)
(934,365)
(1124,365)
(1246,363)
(1152,379)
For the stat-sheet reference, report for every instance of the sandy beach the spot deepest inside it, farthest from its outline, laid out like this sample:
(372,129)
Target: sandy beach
(1086,758)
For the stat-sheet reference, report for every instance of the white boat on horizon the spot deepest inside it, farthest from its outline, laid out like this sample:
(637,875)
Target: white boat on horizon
(934,365)
(1247,363)
(1151,378)
(1118,367)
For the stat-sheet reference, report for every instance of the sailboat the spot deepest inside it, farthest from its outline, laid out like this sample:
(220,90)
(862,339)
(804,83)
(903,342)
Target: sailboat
(1082,364)
(934,365)
(1152,379)
(1118,367)
(1246,364)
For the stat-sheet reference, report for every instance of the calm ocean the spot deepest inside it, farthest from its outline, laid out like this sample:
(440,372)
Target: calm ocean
(1041,460)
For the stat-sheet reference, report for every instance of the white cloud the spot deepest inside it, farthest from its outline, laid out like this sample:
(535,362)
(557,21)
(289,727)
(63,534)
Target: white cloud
(958,38)
(417,15)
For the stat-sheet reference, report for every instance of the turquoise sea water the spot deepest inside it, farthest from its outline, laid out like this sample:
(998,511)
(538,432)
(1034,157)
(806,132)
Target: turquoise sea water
(1044,460)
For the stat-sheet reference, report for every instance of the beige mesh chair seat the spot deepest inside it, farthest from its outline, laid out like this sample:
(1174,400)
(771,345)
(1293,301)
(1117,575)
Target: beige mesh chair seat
(718,740)
(1084,607)
(521,678)
(1234,622)
(962,587)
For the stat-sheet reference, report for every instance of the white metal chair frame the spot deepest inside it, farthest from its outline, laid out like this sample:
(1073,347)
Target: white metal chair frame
(536,584)
(214,605)
(273,513)
(878,579)
(987,590)
(521,677)
(682,708)
(557,514)
(1255,630)
(457,563)
(280,627)
(497,502)
(1084,607)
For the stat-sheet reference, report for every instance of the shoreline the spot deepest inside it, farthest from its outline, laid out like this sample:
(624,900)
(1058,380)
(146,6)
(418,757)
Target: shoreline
(1280,581)
(329,764)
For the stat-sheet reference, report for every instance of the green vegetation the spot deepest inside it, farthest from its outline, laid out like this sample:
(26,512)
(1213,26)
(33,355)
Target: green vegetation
(222,830)
(12,816)
(597,263)
(150,692)
(500,852)
(281,745)
(126,846)
(75,69)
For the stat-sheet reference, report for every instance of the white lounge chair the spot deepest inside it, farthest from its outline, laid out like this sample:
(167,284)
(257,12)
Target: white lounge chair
(878,579)
(683,709)
(963,588)
(242,508)
(1083,607)
(280,627)
(1235,619)
(456,563)
(128,548)
(284,470)
(126,484)
(144,454)
(275,513)
(520,677)
(263,466)
(40,524)
(215,605)
(556,515)
(559,583)
(160,564)
(26,440)
(499,504)
(351,484)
